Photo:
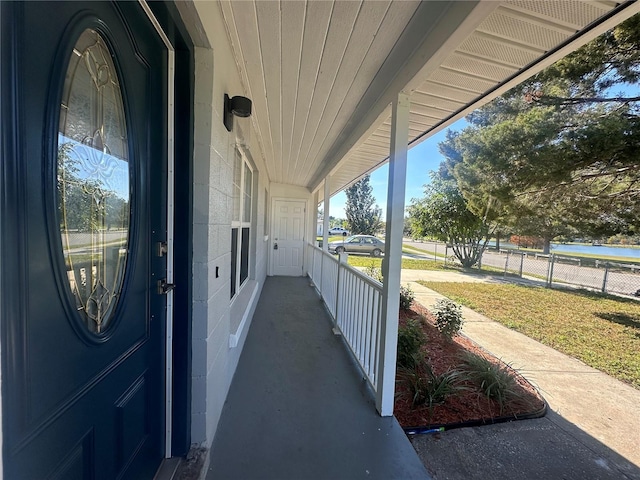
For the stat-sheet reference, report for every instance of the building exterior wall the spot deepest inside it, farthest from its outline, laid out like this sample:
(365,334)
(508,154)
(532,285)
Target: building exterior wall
(215,317)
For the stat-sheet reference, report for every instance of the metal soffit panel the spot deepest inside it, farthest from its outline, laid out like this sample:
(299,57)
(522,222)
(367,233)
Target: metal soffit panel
(309,68)
(306,65)
(515,35)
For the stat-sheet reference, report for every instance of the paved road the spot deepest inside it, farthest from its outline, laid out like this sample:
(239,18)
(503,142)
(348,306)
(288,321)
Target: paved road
(621,281)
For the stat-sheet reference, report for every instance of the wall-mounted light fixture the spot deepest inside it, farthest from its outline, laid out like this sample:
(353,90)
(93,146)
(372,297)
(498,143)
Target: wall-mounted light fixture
(238,106)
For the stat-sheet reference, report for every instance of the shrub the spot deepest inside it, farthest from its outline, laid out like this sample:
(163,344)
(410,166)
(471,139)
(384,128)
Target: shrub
(495,380)
(427,388)
(410,339)
(448,317)
(374,271)
(406,297)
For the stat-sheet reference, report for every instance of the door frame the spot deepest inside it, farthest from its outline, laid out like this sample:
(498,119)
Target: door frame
(168,345)
(273,226)
(168,21)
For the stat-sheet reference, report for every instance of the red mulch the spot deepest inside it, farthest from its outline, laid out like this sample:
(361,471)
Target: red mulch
(466,406)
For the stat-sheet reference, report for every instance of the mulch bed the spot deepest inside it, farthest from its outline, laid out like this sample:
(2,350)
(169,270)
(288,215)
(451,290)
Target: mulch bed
(469,407)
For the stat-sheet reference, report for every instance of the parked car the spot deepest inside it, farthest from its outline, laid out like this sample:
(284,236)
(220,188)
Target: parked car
(338,231)
(358,244)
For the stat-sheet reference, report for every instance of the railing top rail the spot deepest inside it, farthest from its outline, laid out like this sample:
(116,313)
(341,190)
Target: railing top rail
(362,276)
(315,247)
(511,252)
(326,254)
(623,265)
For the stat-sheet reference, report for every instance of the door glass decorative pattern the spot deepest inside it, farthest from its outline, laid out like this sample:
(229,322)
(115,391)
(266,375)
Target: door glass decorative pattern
(93,181)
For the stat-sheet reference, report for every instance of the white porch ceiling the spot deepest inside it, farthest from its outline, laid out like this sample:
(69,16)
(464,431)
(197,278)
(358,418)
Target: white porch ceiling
(322,74)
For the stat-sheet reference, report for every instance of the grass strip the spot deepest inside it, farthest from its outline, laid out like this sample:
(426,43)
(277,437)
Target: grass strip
(422,250)
(601,330)
(407,263)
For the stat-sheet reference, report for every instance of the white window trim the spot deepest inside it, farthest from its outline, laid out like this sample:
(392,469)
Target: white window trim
(240,224)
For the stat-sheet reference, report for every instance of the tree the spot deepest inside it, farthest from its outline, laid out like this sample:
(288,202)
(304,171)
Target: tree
(336,222)
(443,213)
(363,215)
(546,217)
(86,204)
(563,144)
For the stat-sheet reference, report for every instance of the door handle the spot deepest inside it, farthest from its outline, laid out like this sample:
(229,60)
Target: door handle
(164,287)
(275,246)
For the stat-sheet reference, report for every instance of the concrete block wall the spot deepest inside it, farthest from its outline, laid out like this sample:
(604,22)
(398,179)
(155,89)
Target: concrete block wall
(213,361)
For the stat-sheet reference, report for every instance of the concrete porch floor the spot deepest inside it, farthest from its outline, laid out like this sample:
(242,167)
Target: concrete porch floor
(298,407)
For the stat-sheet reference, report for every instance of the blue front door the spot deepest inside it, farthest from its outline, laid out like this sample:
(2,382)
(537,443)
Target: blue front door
(82,212)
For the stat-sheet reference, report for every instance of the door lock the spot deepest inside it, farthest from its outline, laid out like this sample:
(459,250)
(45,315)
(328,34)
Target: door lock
(275,246)
(164,287)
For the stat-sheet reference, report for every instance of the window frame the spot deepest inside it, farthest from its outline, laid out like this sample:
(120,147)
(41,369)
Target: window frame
(239,223)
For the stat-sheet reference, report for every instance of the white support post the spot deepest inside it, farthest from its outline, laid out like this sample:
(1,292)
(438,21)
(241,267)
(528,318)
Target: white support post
(392,264)
(314,219)
(326,206)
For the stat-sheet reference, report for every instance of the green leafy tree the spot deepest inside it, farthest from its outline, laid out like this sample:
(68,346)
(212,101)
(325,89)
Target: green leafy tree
(363,214)
(559,152)
(85,204)
(443,213)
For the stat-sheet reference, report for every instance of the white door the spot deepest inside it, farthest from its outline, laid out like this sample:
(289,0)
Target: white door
(288,238)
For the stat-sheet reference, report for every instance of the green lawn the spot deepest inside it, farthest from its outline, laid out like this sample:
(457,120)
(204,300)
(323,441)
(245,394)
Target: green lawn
(413,249)
(332,238)
(610,258)
(419,264)
(588,256)
(408,263)
(601,330)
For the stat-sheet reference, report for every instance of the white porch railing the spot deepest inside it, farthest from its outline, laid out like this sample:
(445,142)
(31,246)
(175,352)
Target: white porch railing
(354,300)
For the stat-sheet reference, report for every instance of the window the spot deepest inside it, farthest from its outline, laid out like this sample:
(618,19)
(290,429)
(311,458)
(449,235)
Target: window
(93,173)
(241,222)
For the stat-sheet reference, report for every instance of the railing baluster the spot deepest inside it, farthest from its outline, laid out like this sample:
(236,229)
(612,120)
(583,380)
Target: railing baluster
(372,339)
(354,301)
(365,320)
(366,327)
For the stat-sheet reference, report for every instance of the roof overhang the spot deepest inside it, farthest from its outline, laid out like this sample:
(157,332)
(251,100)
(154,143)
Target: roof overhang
(473,74)
(322,75)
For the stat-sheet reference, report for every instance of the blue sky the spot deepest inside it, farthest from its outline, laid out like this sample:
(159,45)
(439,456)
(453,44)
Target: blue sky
(421,159)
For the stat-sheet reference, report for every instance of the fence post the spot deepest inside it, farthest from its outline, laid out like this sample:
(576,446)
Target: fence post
(521,263)
(506,264)
(552,259)
(606,276)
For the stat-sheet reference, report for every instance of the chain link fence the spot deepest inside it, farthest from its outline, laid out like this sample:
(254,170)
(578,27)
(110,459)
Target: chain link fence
(594,274)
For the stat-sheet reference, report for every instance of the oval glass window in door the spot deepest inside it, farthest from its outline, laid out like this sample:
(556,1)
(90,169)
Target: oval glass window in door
(93,181)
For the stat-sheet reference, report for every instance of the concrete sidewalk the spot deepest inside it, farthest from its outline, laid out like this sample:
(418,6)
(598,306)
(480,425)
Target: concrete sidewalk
(595,418)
